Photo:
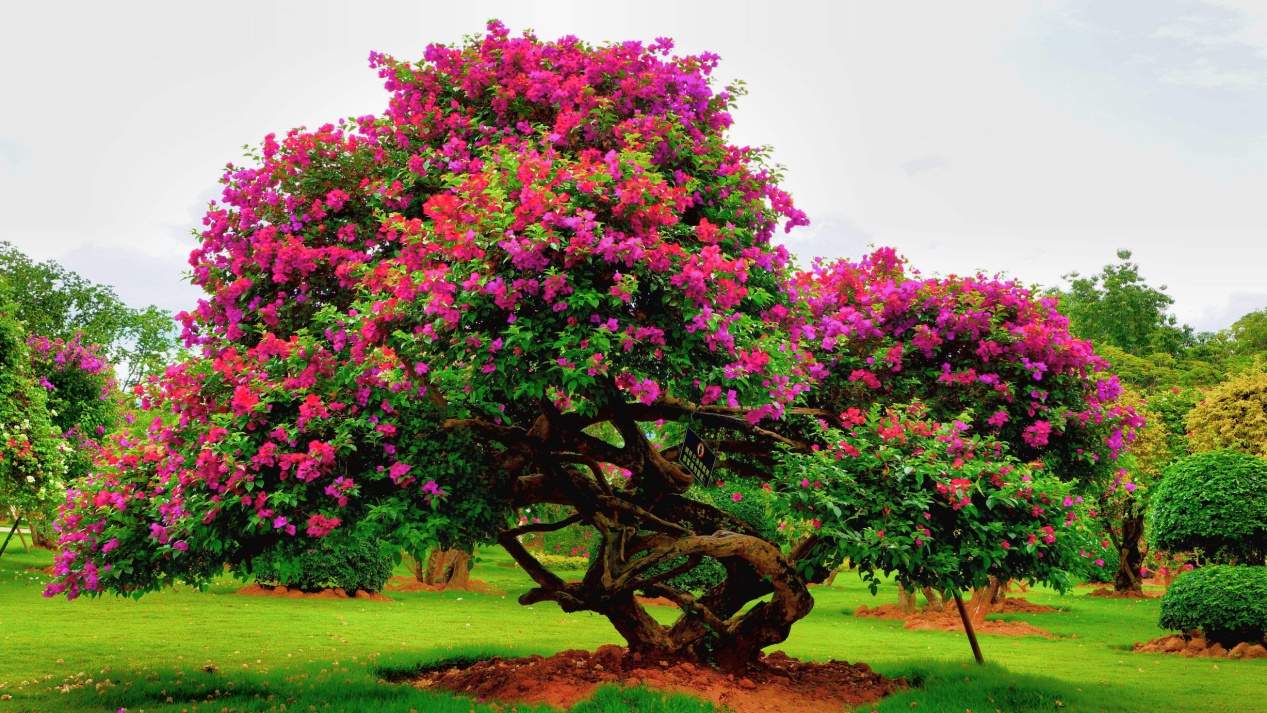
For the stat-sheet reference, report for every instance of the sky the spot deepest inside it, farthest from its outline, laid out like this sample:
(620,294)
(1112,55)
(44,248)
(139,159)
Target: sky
(1032,139)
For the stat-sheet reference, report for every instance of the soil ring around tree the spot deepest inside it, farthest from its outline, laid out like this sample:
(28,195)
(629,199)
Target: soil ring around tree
(776,684)
(263,590)
(1107,593)
(1194,644)
(409,584)
(948,619)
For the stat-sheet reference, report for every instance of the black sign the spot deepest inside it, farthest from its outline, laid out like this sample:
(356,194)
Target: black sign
(696,457)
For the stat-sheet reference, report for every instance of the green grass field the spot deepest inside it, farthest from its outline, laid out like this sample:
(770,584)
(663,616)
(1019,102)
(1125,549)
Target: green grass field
(185,650)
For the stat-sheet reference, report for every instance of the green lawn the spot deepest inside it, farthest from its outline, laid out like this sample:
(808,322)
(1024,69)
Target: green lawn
(318,655)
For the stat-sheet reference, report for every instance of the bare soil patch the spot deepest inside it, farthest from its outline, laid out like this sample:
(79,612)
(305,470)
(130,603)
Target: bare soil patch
(263,590)
(776,684)
(411,584)
(1194,644)
(1109,593)
(948,620)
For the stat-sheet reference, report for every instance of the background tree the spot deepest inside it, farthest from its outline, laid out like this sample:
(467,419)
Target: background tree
(1118,307)
(1249,333)
(1231,415)
(60,304)
(540,251)
(83,397)
(31,455)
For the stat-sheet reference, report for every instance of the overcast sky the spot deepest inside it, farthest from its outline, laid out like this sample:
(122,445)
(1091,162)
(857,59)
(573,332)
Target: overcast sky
(1032,139)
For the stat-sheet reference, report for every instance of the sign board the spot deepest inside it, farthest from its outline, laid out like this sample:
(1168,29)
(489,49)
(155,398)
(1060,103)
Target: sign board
(696,457)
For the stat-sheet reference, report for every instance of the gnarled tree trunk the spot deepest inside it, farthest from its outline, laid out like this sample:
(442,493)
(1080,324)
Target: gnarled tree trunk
(1130,557)
(449,568)
(649,534)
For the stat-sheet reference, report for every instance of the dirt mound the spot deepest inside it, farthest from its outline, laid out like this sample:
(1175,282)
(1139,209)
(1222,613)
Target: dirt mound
(1196,645)
(1020,605)
(948,620)
(777,684)
(1114,594)
(262,590)
(411,584)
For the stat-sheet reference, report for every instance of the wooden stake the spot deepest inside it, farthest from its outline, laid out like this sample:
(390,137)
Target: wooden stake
(16,521)
(967,627)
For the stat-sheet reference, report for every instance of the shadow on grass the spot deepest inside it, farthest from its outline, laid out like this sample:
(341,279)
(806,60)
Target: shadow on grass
(378,687)
(955,688)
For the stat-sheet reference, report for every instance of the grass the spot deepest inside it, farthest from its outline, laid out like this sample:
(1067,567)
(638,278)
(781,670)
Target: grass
(184,650)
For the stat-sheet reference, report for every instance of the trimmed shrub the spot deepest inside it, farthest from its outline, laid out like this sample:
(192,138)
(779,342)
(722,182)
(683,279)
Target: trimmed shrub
(328,563)
(1232,415)
(1227,603)
(1215,502)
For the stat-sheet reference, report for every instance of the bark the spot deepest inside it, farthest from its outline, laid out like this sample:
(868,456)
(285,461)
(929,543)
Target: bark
(41,532)
(906,600)
(986,599)
(1130,557)
(450,569)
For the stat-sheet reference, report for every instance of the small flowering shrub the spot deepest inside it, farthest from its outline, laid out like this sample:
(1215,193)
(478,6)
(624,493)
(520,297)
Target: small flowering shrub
(1226,603)
(1232,415)
(1215,502)
(937,505)
(345,563)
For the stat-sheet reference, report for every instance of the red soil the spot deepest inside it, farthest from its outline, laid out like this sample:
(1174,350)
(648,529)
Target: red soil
(777,684)
(948,619)
(1114,594)
(1196,645)
(410,584)
(260,590)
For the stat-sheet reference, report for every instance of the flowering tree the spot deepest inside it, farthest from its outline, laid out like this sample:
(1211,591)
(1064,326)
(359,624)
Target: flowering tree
(83,402)
(31,459)
(482,300)
(1124,500)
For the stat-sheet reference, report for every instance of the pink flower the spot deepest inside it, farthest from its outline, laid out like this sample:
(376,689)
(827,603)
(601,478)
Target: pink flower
(736,497)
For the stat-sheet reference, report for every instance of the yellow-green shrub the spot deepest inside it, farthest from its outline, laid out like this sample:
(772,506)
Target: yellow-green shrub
(1232,415)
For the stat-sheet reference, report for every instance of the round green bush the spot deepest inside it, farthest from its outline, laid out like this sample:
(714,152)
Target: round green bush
(1227,603)
(328,563)
(1215,502)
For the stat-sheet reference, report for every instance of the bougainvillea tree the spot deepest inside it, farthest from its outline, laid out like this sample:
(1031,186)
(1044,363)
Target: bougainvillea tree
(1124,499)
(495,295)
(83,395)
(32,461)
